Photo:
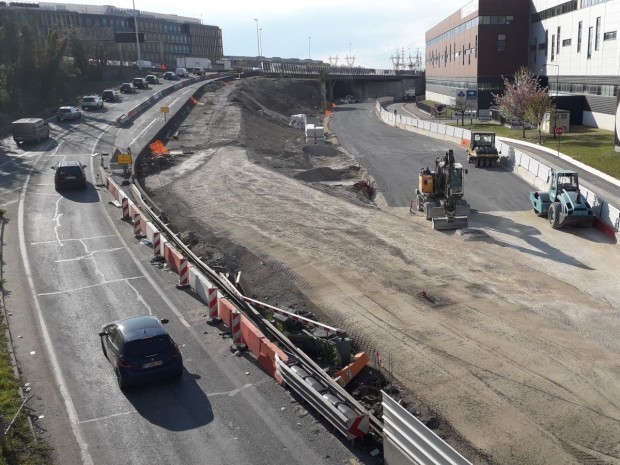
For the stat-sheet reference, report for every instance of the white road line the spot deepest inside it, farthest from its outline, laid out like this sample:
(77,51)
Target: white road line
(111,281)
(89,255)
(234,392)
(62,386)
(78,239)
(92,420)
(143,131)
(174,101)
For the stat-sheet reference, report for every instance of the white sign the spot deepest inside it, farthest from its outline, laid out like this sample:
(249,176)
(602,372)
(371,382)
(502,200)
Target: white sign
(470,8)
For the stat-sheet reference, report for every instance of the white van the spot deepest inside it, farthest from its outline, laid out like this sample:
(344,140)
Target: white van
(182,72)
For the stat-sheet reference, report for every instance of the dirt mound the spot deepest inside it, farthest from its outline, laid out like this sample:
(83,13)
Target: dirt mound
(324,173)
(286,96)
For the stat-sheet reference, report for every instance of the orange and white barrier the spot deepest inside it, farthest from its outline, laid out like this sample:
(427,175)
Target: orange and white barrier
(156,244)
(137,224)
(235,327)
(125,208)
(346,375)
(183,272)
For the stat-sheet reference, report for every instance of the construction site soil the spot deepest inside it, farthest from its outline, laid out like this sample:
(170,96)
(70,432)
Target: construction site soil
(491,347)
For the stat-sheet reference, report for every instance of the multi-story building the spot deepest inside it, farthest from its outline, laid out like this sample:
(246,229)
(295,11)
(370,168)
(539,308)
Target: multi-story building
(473,48)
(572,45)
(166,36)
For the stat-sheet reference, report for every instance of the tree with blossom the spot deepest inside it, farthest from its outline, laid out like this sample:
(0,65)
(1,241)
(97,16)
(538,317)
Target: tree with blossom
(520,92)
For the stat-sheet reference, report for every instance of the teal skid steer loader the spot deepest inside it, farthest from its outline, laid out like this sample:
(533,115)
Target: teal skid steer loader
(563,203)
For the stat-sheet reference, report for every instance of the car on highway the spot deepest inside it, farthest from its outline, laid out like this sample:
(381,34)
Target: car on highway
(140,350)
(69,174)
(170,76)
(151,79)
(68,113)
(110,95)
(127,88)
(140,83)
(198,71)
(92,102)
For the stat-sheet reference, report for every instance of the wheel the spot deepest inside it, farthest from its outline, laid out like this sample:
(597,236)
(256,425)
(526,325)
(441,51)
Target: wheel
(427,210)
(420,203)
(120,380)
(554,215)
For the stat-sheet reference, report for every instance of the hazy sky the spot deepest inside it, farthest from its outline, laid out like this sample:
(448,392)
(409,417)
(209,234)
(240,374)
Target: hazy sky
(375,30)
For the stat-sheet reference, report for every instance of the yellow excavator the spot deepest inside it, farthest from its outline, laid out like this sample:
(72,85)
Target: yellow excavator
(440,194)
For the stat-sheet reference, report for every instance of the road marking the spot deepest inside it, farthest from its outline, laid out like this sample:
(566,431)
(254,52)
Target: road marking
(62,386)
(111,281)
(234,392)
(79,239)
(88,256)
(92,420)
(174,101)
(143,131)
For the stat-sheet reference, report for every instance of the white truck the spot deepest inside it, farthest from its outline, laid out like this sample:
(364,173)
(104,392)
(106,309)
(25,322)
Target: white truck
(193,62)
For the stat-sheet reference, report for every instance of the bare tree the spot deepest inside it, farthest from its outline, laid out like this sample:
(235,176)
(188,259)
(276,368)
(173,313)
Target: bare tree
(518,91)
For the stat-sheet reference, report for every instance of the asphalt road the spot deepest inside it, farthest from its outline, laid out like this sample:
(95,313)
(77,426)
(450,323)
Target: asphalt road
(396,169)
(85,269)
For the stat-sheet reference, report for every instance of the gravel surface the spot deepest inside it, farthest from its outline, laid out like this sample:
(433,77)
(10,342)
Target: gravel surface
(508,353)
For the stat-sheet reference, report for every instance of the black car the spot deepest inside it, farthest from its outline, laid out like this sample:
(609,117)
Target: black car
(127,88)
(70,174)
(141,350)
(170,76)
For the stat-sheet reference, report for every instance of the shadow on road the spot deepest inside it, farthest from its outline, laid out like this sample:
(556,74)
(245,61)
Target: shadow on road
(88,195)
(176,405)
(540,248)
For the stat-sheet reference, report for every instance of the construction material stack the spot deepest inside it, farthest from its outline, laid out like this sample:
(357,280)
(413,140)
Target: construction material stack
(440,194)
(298,121)
(563,203)
(315,134)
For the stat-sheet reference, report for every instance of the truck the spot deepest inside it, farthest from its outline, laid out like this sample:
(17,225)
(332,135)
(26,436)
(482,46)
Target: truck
(481,150)
(194,62)
(28,130)
(409,95)
(440,194)
(563,203)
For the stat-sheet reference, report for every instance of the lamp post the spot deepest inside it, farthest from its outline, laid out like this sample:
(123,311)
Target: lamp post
(260,41)
(135,23)
(309,56)
(257,37)
(557,89)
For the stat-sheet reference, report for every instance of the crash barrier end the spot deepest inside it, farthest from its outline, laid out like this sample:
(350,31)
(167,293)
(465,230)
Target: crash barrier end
(609,231)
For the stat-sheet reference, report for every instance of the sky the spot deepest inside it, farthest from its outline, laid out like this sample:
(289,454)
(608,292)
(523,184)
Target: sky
(370,31)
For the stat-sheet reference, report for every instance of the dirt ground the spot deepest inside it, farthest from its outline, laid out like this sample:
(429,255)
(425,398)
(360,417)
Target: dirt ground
(511,357)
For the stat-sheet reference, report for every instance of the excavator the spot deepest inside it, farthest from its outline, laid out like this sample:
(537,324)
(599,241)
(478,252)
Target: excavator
(440,194)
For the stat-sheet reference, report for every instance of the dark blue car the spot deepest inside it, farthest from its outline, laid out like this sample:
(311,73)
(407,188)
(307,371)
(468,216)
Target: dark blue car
(141,350)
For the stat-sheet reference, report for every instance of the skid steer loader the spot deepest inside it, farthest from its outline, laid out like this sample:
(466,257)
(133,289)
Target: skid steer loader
(440,194)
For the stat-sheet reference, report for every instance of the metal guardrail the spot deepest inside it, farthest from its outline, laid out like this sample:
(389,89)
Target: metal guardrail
(413,441)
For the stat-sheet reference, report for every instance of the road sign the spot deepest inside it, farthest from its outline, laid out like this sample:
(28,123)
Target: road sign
(461,94)
(163,67)
(124,159)
(559,130)
(167,109)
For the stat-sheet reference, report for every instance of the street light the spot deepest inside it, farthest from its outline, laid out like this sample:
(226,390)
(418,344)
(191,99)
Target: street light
(257,37)
(557,89)
(309,57)
(135,23)
(260,42)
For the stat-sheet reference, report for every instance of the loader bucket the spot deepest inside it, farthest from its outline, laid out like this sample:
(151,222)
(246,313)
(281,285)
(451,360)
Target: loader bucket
(444,223)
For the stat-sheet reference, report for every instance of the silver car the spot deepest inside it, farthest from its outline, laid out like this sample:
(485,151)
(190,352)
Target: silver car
(68,113)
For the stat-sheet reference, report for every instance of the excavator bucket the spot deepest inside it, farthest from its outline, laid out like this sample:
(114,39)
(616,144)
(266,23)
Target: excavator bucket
(445,223)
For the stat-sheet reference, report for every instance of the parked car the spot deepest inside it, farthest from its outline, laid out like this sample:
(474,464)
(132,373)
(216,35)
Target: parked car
(127,88)
(140,350)
(30,130)
(152,79)
(68,113)
(92,102)
(170,76)
(140,83)
(110,95)
(69,174)
(198,71)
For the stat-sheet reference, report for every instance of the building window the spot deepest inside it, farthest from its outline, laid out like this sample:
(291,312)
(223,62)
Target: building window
(590,31)
(566,43)
(579,36)
(552,47)
(597,36)
(609,35)
(501,42)
(557,50)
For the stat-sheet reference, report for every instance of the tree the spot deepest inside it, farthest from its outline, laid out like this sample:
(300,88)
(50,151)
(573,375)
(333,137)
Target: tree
(539,106)
(462,106)
(518,92)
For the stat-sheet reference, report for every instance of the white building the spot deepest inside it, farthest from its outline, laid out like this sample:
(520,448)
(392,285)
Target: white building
(574,43)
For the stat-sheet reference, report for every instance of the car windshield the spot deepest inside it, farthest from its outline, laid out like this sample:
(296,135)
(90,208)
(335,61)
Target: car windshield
(65,110)
(89,99)
(69,171)
(148,346)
